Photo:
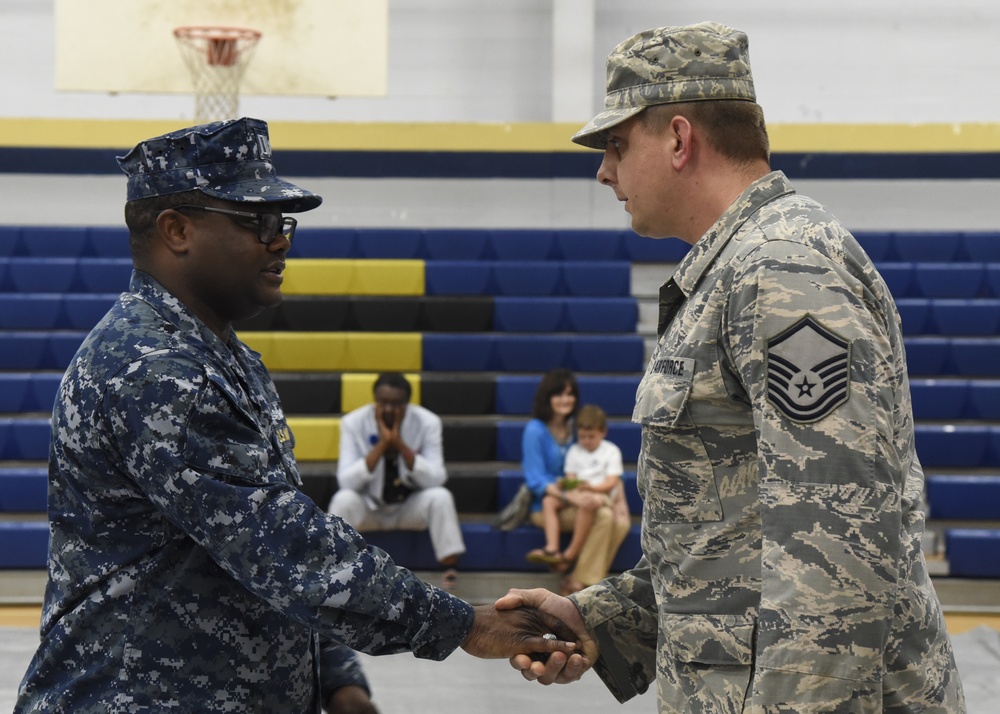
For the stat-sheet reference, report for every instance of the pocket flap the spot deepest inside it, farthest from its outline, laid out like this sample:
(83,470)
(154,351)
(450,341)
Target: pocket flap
(710,639)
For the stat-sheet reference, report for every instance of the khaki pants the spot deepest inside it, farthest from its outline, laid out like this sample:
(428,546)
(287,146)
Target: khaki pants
(603,541)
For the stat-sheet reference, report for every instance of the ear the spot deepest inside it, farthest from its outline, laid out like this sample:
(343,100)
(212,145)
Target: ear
(174,231)
(681,134)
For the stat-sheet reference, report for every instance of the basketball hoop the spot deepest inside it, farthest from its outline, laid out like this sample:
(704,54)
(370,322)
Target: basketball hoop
(217,57)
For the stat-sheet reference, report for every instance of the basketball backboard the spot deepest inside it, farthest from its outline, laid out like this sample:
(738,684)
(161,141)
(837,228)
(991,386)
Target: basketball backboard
(307,47)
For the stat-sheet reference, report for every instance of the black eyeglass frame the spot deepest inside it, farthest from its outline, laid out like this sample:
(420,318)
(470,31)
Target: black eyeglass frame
(268,224)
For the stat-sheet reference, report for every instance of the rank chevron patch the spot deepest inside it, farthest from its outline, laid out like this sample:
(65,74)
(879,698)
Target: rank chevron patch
(808,371)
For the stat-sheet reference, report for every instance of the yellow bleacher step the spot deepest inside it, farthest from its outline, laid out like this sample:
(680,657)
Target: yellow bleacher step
(316,438)
(338,351)
(336,276)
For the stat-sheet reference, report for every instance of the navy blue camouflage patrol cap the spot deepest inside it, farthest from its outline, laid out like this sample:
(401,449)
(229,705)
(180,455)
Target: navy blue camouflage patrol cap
(230,160)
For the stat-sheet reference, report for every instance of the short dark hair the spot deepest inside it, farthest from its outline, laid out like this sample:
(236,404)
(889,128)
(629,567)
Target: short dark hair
(733,127)
(553,382)
(140,215)
(592,416)
(394,380)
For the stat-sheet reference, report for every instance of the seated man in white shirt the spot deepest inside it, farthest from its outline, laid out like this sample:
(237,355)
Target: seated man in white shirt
(391,474)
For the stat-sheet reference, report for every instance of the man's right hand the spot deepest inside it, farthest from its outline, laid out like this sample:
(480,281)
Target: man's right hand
(559,667)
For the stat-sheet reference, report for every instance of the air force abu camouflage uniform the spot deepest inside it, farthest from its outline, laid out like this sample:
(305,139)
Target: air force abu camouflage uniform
(187,572)
(782,523)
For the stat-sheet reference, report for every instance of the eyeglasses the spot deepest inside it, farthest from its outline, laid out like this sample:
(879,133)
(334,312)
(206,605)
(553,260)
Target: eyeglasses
(268,225)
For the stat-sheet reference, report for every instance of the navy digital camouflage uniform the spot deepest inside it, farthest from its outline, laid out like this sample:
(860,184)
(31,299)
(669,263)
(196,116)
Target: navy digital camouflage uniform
(782,521)
(187,571)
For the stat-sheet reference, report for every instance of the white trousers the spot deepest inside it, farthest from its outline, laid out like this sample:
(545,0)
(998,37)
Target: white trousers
(430,509)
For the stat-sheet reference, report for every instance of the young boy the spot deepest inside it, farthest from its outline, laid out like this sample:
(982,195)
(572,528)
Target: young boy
(592,480)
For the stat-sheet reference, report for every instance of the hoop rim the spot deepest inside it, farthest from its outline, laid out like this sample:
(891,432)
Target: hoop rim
(215,32)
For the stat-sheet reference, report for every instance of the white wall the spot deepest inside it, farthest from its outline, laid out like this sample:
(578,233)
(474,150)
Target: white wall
(855,61)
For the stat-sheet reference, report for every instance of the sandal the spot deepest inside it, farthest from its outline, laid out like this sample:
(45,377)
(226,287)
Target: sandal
(545,557)
(449,579)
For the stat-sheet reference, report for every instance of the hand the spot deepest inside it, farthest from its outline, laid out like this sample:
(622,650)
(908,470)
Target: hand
(559,668)
(350,699)
(498,634)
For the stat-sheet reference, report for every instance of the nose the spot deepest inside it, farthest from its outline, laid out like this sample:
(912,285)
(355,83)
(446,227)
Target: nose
(605,172)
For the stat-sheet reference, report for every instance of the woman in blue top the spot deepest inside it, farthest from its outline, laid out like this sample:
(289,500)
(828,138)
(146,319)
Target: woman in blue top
(546,439)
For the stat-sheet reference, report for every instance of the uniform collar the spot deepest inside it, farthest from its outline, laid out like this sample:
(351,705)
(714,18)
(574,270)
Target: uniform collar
(703,254)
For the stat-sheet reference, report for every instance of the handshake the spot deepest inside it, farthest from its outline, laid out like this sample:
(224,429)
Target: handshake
(541,633)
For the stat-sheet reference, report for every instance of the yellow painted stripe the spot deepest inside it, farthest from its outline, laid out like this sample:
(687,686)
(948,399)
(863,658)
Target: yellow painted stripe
(338,351)
(316,438)
(335,276)
(498,137)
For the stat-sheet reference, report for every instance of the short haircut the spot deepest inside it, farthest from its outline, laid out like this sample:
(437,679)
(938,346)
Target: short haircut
(733,127)
(553,382)
(592,416)
(140,215)
(394,380)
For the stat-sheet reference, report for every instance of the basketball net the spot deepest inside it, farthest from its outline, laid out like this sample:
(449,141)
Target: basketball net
(217,57)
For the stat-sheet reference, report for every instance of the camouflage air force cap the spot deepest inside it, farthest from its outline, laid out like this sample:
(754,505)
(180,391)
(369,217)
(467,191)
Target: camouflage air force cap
(230,160)
(670,65)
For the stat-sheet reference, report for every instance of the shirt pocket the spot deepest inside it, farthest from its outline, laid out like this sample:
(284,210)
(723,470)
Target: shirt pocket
(676,478)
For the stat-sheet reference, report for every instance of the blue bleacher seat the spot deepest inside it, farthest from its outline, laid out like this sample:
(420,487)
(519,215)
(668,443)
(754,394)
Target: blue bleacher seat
(23,489)
(878,245)
(927,356)
(992,279)
(954,445)
(25,439)
(529,314)
(928,247)
(28,391)
(977,316)
(898,278)
(585,278)
(606,353)
(457,352)
(325,243)
(973,552)
(54,241)
(457,244)
(81,311)
(984,400)
(27,351)
(975,356)
(531,353)
(614,394)
(458,277)
(539,278)
(24,544)
(30,311)
(104,275)
(982,247)
(964,497)
(523,244)
(393,243)
(10,240)
(940,398)
(914,315)
(605,314)
(109,242)
(949,280)
(40,275)
(14,392)
(589,245)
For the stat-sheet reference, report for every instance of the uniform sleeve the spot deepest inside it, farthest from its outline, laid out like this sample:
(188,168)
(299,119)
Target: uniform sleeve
(428,464)
(352,471)
(204,463)
(533,462)
(620,613)
(817,362)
